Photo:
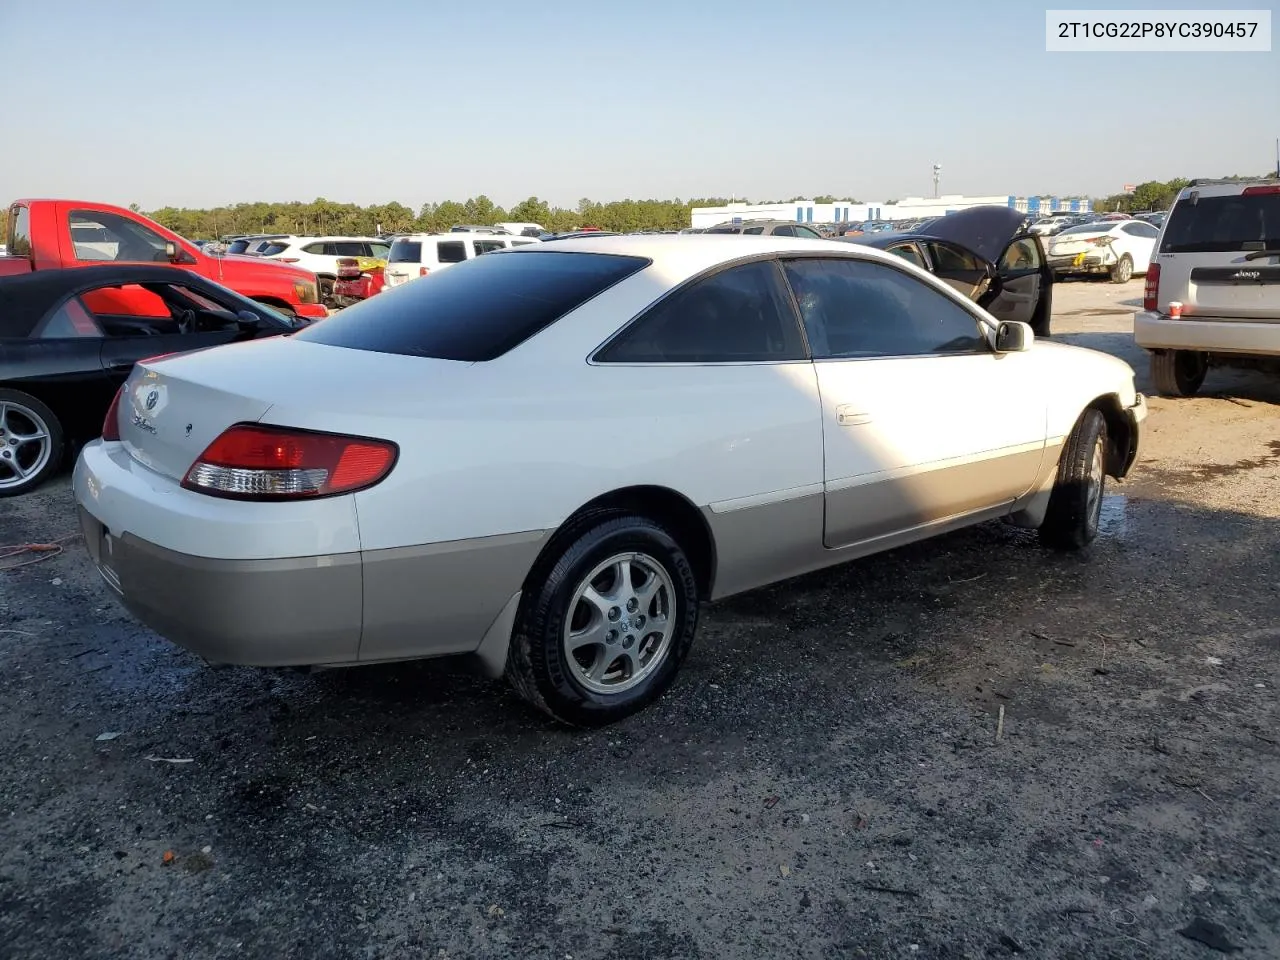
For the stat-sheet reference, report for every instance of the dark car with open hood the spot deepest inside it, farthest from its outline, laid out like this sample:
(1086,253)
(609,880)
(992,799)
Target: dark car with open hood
(62,362)
(984,252)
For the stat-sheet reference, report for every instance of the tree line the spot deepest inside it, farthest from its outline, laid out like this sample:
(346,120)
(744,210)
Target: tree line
(1156,194)
(326,217)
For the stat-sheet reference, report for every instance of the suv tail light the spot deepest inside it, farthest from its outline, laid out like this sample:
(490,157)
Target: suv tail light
(111,423)
(1254,191)
(1152,288)
(254,462)
(423,271)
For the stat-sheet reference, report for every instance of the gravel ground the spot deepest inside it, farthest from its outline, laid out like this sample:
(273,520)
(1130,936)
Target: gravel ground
(825,779)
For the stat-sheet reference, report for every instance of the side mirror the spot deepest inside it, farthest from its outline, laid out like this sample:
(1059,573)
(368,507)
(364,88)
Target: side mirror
(1014,337)
(172,251)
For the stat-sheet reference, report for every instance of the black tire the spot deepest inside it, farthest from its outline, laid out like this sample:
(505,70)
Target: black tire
(537,663)
(1178,373)
(1122,272)
(21,415)
(325,286)
(1075,506)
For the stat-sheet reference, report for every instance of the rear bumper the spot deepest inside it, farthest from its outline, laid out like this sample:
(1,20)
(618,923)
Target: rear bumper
(297,611)
(288,583)
(1071,263)
(1154,331)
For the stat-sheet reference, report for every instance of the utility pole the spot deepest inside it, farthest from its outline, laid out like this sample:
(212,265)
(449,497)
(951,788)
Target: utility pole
(937,175)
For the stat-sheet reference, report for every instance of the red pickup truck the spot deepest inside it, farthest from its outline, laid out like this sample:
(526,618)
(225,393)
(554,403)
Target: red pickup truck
(48,234)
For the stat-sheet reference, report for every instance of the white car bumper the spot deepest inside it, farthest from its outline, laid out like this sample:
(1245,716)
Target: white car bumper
(1154,331)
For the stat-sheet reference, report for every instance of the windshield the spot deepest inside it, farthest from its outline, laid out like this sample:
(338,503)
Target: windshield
(1224,224)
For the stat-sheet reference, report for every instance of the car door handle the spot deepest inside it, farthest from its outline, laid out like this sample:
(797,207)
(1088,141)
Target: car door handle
(120,366)
(849,416)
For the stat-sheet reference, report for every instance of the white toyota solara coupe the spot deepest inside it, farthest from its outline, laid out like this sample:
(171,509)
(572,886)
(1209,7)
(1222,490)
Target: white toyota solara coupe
(547,457)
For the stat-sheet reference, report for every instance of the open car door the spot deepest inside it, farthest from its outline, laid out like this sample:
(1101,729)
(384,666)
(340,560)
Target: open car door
(1024,287)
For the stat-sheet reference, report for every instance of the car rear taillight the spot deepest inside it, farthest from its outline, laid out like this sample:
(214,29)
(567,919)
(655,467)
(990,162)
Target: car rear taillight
(423,271)
(1254,191)
(111,423)
(1100,241)
(1152,288)
(254,462)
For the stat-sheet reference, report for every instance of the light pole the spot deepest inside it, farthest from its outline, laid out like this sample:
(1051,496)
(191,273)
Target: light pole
(937,175)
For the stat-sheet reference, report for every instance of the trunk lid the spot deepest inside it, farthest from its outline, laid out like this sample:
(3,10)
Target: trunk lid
(174,407)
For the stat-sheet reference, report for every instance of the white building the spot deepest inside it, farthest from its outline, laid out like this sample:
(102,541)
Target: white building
(910,208)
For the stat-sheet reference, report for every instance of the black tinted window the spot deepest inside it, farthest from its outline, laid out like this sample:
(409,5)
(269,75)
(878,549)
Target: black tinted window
(479,310)
(405,251)
(725,230)
(1224,224)
(237,246)
(273,249)
(350,248)
(784,231)
(737,315)
(452,251)
(853,308)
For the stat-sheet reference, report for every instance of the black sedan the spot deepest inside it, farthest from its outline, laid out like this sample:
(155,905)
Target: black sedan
(986,254)
(68,339)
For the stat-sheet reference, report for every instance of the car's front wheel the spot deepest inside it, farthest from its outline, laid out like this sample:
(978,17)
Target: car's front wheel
(1075,506)
(1178,373)
(605,622)
(31,442)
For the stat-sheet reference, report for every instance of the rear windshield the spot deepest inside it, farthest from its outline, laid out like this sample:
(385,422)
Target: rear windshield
(1095,227)
(271,249)
(479,309)
(405,251)
(1224,224)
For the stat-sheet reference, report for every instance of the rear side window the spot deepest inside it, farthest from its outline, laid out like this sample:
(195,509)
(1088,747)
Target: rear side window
(739,315)
(451,251)
(272,249)
(405,251)
(69,321)
(314,249)
(1224,224)
(237,246)
(477,312)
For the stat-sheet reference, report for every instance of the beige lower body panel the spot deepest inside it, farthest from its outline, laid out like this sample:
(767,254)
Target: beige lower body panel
(441,598)
(764,543)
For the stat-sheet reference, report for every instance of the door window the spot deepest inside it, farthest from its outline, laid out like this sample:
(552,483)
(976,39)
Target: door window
(98,235)
(951,261)
(738,315)
(1022,254)
(487,246)
(808,233)
(348,248)
(755,230)
(451,251)
(786,230)
(859,309)
(909,252)
(378,250)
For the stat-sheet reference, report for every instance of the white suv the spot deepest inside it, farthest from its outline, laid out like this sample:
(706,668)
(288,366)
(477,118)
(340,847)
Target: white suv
(420,254)
(320,254)
(1218,256)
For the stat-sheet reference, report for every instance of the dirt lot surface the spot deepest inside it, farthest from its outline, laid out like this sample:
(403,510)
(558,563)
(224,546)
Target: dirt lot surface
(825,779)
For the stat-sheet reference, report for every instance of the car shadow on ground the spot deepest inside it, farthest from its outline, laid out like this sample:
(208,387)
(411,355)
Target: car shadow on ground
(905,735)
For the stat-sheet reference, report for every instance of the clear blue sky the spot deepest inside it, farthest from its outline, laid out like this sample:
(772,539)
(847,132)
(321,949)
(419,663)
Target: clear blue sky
(204,102)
